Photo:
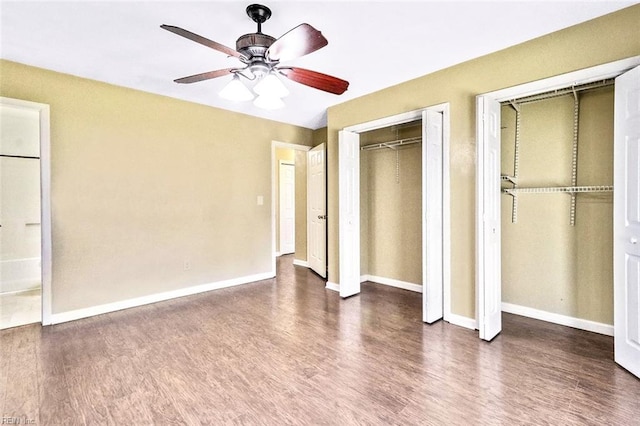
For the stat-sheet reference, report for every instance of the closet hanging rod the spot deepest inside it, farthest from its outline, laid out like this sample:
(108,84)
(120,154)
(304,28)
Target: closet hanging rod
(561,92)
(392,144)
(566,189)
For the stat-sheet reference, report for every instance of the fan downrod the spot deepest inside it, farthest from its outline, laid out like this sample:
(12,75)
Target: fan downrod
(259,14)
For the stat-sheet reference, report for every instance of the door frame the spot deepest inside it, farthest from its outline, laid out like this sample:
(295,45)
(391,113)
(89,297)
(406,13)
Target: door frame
(45,199)
(587,75)
(406,117)
(274,167)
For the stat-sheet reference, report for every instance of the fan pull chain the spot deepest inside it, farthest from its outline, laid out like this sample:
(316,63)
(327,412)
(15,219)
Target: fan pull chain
(397,166)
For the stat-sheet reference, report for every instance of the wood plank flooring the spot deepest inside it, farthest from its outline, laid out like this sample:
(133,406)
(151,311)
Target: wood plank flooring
(287,351)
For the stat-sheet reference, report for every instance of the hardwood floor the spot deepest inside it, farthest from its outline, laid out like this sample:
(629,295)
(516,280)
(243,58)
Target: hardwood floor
(287,351)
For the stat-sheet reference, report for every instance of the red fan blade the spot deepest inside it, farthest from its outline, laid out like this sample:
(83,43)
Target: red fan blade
(315,79)
(204,41)
(299,41)
(205,76)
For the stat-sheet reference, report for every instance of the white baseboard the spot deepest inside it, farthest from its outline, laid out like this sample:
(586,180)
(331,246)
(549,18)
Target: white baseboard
(333,286)
(461,321)
(301,263)
(582,324)
(153,298)
(392,283)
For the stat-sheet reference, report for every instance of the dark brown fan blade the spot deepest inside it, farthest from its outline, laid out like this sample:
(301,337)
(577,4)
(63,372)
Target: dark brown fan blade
(205,76)
(300,41)
(315,79)
(204,41)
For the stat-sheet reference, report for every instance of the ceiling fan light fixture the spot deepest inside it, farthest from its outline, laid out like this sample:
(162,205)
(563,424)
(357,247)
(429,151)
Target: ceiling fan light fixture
(268,102)
(271,86)
(236,91)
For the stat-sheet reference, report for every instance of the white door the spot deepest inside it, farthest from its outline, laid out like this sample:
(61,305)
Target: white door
(349,199)
(488,274)
(432,268)
(317,211)
(626,223)
(287,211)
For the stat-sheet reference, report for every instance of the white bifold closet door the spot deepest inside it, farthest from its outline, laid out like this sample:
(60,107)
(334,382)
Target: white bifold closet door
(626,221)
(432,209)
(349,204)
(489,274)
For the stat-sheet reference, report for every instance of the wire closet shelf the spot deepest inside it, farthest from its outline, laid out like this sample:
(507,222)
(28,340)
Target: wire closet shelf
(573,189)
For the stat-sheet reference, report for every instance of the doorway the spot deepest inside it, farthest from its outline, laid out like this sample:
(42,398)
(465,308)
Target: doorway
(288,201)
(488,216)
(286,207)
(25,219)
(434,216)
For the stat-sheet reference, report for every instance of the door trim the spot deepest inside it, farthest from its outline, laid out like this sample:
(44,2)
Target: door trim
(274,166)
(446,213)
(45,199)
(587,75)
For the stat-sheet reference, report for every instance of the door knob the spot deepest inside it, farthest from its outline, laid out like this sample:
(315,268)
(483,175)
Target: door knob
(633,240)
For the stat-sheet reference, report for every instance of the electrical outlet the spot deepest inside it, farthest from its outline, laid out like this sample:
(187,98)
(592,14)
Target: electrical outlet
(187,265)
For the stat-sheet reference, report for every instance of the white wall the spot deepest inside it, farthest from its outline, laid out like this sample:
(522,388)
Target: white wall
(19,199)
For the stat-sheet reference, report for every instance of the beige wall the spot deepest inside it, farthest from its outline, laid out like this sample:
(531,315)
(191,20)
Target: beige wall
(142,183)
(301,205)
(390,207)
(548,264)
(606,39)
(319,136)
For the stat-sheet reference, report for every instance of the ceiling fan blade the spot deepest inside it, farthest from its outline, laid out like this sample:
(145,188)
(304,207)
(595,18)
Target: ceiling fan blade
(205,75)
(204,41)
(315,79)
(299,41)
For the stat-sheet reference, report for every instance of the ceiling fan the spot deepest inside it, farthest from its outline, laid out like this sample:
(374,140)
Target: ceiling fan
(261,56)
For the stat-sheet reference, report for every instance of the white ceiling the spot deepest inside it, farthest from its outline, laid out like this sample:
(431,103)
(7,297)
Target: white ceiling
(373,45)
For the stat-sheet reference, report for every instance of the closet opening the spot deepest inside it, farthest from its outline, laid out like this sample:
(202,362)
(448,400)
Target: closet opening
(609,124)
(390,206)
(557,206)
(288,202)
(394,207)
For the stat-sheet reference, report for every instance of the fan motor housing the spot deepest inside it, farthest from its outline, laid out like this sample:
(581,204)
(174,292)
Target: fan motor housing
(254,44)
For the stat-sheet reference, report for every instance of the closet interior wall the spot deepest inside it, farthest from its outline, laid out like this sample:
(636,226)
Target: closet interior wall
(390,205)
(548,264)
